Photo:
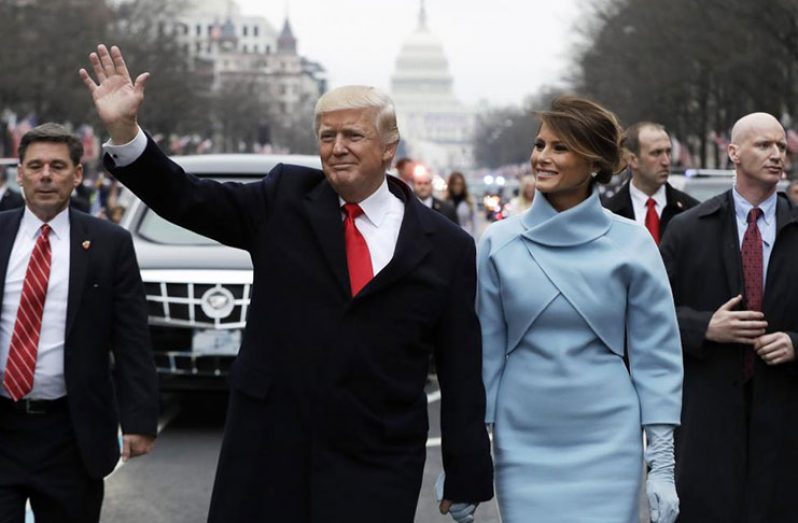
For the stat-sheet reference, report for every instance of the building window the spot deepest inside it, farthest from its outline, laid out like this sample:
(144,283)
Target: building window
(199,29)
(244,48)
(210,30)
(255,48)
(244,30)
(199,47)
(255,30)
(268,49)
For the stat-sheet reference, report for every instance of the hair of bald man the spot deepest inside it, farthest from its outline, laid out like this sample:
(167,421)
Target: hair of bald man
(632,135)
(743,125)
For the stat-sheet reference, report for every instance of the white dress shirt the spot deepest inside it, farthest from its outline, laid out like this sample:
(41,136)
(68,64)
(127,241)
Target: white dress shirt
(3,190)
(639,199)
(48,379)
(427,202)
(379,224)
(766,224)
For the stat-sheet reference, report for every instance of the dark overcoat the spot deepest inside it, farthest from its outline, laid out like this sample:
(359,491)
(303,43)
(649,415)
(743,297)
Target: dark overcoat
(727,470)
(327,420)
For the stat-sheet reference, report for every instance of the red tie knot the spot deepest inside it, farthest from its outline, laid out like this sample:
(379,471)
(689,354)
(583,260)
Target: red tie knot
(651,203)
(45,229)
(352,210)
(754,214)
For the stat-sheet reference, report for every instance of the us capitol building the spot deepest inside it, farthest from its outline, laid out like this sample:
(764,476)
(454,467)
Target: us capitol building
(436,128)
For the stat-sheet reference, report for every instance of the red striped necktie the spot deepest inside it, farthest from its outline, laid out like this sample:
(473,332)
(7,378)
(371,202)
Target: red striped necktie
(18,380)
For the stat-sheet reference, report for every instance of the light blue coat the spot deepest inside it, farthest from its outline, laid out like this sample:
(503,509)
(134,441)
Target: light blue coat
(560,296)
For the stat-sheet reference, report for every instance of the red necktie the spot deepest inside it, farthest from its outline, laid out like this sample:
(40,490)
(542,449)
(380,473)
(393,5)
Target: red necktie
(358,258)
(652,220)
(751,253)
(18,380)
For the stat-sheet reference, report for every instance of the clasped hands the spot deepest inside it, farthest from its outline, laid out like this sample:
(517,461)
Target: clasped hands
(749,327)
(460,512)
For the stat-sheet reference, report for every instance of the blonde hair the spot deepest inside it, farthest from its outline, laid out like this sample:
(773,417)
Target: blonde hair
(361,97)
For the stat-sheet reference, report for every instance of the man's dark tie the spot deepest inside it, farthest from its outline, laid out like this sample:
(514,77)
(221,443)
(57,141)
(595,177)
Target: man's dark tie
(358,258)
(751,253)
(18,380)
(652,220)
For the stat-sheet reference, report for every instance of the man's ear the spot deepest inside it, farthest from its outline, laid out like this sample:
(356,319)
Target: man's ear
(734,153)
(634,161)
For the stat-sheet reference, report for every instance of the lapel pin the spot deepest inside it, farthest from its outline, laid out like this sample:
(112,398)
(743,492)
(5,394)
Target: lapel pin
(679,205)
(86,244)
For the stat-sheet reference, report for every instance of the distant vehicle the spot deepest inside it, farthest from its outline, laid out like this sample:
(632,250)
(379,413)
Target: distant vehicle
(198,291)
(703,184)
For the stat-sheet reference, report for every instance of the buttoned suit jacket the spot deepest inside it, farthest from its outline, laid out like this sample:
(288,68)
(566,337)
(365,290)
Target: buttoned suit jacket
(106,319)
(727,469)
(328,415)
(676,203)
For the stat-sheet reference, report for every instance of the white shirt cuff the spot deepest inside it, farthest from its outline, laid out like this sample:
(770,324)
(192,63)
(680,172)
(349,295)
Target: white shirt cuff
(125,154)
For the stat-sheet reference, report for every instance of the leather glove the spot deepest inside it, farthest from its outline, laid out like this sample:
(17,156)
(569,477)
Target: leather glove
(460,512)
(660,485)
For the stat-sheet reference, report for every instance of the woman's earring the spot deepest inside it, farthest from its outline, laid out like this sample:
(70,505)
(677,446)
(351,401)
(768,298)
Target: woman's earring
(594,174)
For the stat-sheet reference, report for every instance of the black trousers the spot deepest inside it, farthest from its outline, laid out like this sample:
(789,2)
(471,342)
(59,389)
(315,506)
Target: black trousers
(40,462)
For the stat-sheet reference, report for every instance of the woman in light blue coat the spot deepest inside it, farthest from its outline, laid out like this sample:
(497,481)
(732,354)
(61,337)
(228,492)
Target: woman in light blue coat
(565,291)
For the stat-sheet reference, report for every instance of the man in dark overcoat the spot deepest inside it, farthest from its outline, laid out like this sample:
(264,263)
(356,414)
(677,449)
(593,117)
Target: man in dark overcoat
(733,266)
(356,283)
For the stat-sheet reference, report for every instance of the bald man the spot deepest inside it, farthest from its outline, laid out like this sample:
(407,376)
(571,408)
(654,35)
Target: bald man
(732,266)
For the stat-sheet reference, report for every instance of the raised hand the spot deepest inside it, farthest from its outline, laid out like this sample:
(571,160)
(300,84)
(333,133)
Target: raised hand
(730,326)
(116,98)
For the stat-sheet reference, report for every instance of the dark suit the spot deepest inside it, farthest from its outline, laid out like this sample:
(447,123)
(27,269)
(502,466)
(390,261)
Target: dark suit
(676,202)
(106,314)
(11,200)
(446,209)
(327,419)
(729,469)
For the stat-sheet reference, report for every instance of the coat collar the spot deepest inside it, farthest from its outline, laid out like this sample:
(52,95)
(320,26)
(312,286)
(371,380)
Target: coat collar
(412,245)
(8,233)
(581,224)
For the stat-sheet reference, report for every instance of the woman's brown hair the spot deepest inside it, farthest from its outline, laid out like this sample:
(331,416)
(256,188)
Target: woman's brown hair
(590,130)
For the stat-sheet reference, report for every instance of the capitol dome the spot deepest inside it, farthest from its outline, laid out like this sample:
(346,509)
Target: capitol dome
(436,128)
(421,67)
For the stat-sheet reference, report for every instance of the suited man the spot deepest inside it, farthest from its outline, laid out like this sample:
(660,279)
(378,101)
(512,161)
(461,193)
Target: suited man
(647,197)
(731,263)
(356,283)
(422,185)
(9,199)
(71,296)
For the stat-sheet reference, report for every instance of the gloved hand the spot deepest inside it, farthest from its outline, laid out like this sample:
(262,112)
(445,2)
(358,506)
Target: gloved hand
(660,485)
(460,512)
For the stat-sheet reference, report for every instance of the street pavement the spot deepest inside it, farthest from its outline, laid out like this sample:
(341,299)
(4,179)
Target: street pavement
(173,484)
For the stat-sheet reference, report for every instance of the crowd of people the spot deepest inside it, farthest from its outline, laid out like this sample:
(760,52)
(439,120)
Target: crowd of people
(572,330)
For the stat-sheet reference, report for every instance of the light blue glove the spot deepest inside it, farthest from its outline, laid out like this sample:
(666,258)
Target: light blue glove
(660,485)
(460,512)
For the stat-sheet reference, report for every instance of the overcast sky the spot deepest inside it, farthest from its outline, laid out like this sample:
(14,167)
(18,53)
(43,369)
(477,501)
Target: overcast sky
(498,50)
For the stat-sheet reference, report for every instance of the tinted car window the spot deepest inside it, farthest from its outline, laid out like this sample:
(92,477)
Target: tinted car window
(157,230)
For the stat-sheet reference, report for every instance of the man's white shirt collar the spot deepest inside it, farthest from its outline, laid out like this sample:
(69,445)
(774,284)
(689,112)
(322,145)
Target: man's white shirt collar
(31,224)
(376,206)
(659,197)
